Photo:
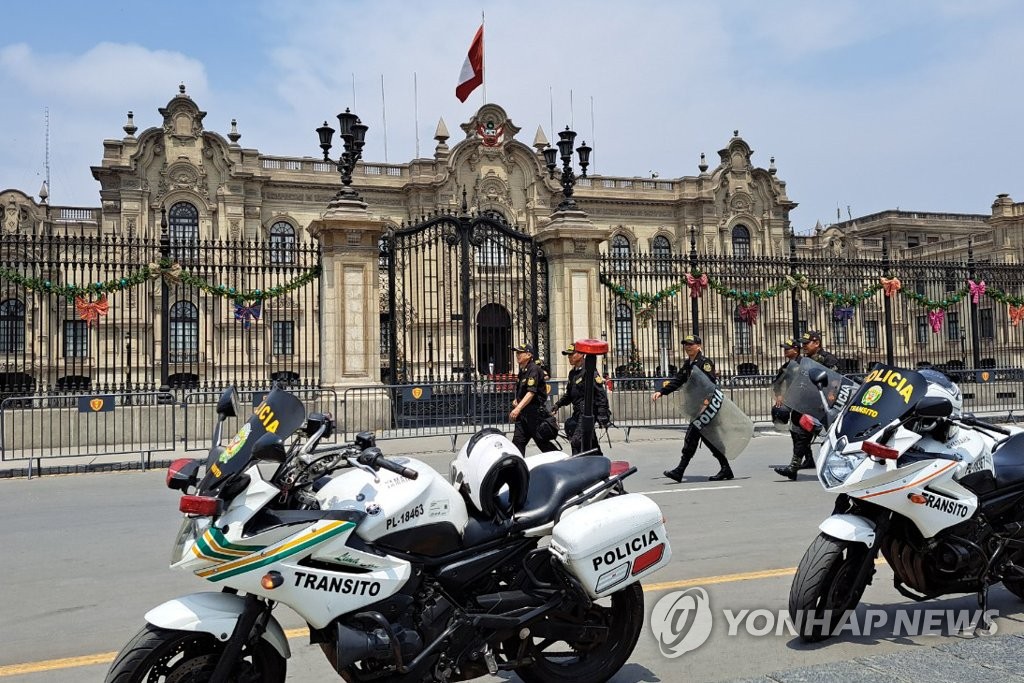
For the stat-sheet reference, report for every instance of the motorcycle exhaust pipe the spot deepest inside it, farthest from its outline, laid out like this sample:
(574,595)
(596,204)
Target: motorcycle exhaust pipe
(507,601)
(352,645)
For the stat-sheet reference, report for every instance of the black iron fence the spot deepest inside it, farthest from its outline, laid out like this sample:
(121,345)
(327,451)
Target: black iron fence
(959,316)
(81,312)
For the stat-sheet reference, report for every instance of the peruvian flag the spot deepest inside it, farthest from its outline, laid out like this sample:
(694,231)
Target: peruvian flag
(472,75)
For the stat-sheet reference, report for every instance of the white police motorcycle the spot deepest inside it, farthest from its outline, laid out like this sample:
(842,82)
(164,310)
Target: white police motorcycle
(939,493)
(400,575)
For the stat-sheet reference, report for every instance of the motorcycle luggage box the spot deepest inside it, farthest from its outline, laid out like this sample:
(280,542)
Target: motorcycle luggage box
(612,543)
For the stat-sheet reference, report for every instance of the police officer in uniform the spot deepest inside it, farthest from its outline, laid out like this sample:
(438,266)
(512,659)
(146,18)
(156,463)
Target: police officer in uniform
(802,457)
(574,396)
(695,358)
(531,393)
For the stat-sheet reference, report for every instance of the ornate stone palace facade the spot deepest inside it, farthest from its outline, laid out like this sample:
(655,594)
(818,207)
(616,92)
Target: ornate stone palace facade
(215,188)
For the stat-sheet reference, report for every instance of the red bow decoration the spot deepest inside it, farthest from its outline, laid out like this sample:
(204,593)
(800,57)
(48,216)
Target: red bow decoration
(935,319)
(697,285)
(91,310)
(748,313)
(891,285)
(977,289)
(245,313)
(1016,314)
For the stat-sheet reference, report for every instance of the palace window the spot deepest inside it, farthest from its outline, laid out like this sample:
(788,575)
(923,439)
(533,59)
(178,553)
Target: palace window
(741,242)
(922,329)
(660,247)
(12,326)
(986,321)
(953,326)
(871,333)
(620,252)
(184,336)
(744,334)
(282,243)
(623,328)
(76,339)
(183,230)
(284,338)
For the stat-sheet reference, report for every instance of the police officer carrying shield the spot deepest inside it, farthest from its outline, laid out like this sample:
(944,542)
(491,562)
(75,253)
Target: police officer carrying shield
(802,457)
(531,394)
(574,396)
(695,359)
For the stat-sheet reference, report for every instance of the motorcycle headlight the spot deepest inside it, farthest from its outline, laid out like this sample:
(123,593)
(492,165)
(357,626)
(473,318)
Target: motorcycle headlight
(839,466)
(190,529)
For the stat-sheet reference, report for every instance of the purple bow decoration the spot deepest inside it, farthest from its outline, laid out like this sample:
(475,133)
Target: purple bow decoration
(977,289)
(247,313)
(935,319)
(842,314)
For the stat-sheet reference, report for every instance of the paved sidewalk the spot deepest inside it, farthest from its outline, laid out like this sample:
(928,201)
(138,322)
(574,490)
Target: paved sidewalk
(982,659)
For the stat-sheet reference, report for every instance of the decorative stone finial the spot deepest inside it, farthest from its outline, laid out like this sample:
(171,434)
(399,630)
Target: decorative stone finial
(771,166)
(181,89)
(130,127)
(441,135)
(234,135)
(540,141)
(703,165)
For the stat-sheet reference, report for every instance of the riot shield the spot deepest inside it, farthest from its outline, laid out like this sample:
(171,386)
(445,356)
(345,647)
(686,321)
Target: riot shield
(800,394)
(719,420)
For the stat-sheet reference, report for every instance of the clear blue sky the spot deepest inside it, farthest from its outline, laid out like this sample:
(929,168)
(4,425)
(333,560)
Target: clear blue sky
(915,104)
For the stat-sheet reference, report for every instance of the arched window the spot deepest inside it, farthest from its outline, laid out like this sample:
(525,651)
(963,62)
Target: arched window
(184,332)
(12,326)
(620,253)
(660,247)
(282,243)
(183,229)
(741,241)
(623,330)
(744,334)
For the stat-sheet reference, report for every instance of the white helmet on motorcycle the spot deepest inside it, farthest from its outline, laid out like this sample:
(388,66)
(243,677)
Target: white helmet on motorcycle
(492,474)
(941,386)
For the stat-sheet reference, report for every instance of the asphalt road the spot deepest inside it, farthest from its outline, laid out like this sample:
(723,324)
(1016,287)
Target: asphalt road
(85,556)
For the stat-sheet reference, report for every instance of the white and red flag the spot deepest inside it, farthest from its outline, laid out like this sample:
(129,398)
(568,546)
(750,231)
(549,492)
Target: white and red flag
(472,75)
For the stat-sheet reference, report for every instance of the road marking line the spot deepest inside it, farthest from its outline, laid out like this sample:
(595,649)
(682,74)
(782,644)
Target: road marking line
(107,657)
(695,488)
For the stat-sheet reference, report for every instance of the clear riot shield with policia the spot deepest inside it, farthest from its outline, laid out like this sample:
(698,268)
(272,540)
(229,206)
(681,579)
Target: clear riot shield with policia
(800,395)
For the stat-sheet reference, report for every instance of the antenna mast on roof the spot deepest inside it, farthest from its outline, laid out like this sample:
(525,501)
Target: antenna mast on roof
(46,113)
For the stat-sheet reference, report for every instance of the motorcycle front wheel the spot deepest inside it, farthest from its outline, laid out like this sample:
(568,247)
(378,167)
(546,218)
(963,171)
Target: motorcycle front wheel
(594,658)
(825,588)
(157,654)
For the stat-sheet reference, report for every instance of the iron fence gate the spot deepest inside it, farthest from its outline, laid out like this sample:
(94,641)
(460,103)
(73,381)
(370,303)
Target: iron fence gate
(458,291)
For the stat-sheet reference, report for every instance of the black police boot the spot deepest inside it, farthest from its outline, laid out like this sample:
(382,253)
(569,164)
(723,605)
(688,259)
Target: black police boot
(808,464)
(724,474)
(788,471)
(676,473)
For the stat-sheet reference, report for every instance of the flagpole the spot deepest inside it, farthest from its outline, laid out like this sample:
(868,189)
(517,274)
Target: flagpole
(384,116)
(416,111)
(593,138)
(483,60)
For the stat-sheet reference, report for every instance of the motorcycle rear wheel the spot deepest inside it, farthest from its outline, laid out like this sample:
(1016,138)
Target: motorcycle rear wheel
(597,660)
(157,654)
(825,587)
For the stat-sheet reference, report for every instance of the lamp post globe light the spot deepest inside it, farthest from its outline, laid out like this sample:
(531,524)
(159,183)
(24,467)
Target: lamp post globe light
(566,139)
(353,136)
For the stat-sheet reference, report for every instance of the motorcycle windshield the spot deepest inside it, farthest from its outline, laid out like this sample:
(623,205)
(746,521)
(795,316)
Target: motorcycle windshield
(719,420)
(278,413)
(888,393)
(799,393)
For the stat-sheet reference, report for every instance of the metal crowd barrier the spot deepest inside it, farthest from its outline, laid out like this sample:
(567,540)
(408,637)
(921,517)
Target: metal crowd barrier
(69,425)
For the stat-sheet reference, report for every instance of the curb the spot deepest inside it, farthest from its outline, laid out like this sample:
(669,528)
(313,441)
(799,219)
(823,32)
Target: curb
(23,472)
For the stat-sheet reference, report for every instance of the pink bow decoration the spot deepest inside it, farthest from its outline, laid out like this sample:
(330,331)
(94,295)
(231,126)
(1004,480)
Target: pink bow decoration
(977,289)
(935,319)
(697,285)
(1016,314)
(891,285)
(91,311)
(842,314)
(247,313)
(748,313)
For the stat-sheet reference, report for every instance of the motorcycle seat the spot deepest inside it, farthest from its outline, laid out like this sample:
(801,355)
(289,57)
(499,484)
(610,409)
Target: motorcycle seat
(551,485)
(1008,462)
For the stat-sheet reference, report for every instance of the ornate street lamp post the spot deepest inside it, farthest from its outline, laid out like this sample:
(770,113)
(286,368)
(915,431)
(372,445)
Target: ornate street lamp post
(353,135)
(566,139)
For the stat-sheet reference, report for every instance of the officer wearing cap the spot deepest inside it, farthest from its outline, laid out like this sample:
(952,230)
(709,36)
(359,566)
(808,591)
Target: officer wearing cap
(695,358)
(802,457)
(529,413)
(574,395)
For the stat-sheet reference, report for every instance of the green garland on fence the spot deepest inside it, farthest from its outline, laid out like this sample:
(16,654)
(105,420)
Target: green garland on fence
(842,298)
(165,268)
(935,304)
(1002,297)
(746,296)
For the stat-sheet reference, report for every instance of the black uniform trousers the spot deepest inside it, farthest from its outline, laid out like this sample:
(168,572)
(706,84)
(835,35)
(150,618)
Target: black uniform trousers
(526,428)
(574,430)
(690,444)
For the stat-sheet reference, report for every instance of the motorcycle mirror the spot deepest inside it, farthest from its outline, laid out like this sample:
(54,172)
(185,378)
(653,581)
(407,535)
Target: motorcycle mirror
(269,447)
(818,377)
(227,404)
(315,421)
(366,440)
(934,407)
